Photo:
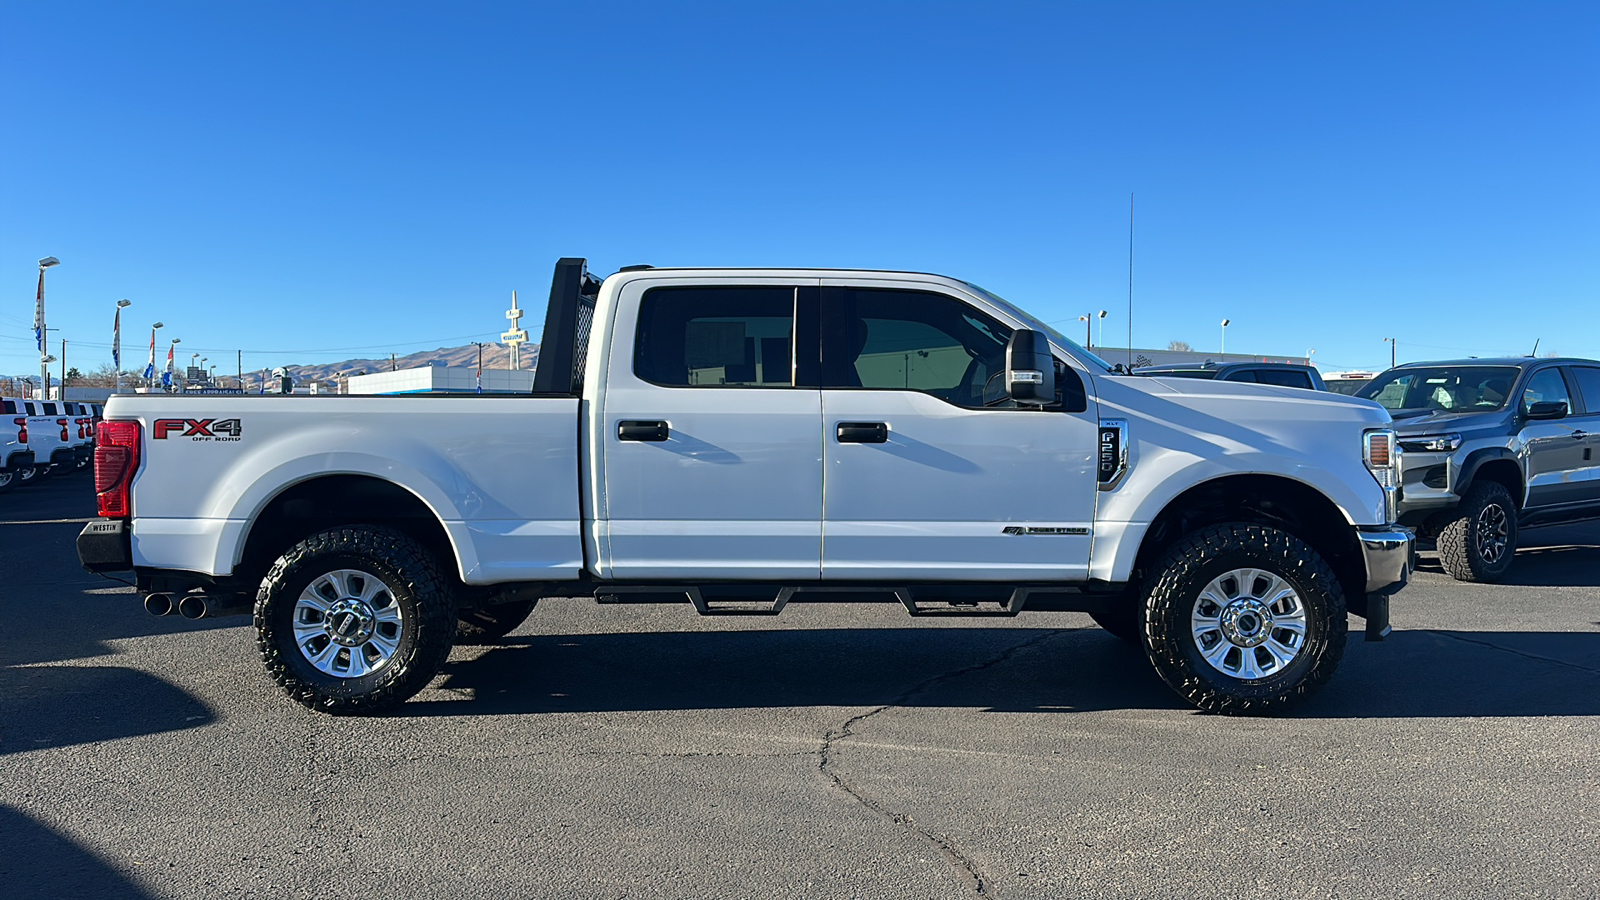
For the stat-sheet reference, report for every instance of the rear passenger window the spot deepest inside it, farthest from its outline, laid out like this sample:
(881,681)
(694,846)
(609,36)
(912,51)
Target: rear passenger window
(1588,378)
(716,337)
(1284,378)
(1243,375)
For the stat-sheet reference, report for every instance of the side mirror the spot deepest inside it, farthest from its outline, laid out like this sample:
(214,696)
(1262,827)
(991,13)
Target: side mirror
(1548,409)
(1030,369)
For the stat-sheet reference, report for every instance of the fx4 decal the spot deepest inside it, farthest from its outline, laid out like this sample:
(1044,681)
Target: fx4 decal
(196,429)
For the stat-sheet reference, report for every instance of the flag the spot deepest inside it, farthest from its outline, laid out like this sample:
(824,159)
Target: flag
(166,377)
(38,315)
(116,341)
(150,368)
(480,378)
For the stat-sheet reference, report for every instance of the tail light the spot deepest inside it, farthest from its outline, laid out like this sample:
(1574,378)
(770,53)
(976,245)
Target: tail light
(22,429)
(65,438)
(116,459)
(83,434)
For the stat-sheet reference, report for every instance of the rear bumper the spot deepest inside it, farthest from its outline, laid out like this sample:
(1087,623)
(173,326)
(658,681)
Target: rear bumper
(64,456)
(105,546)
(22,459)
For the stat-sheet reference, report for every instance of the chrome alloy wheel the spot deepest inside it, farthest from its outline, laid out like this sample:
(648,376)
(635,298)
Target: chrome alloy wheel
(1492,531)
(347,623)
(1248,623)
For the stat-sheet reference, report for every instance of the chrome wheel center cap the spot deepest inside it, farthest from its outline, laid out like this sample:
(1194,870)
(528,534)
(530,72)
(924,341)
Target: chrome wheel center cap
(349,623)
(1246,622)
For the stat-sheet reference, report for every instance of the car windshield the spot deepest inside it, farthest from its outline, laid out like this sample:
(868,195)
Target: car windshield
(1442,388)
(1036,325)
(1348,385)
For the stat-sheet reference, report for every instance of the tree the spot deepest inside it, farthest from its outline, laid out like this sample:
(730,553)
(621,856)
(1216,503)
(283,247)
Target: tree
(1180,346)
(72,375)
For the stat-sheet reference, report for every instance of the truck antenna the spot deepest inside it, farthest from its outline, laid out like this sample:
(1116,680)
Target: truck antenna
(1130,281)
(1536,346)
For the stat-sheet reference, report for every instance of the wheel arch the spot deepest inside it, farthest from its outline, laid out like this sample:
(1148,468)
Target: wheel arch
(1270,500)
(332,500)
(1495,464)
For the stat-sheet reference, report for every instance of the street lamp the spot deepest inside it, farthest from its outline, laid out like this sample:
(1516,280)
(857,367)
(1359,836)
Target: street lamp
(44,366)
(38,324)
(1088,338)
(116,343)
(1102,328)
(1224,351)
(175,342)
(150,367)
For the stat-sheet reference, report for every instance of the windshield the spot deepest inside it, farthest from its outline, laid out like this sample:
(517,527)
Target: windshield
(1036,325)
(1348,385)
(1442,388)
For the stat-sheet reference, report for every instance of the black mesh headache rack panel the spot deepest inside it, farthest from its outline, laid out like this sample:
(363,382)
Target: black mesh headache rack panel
(565,341)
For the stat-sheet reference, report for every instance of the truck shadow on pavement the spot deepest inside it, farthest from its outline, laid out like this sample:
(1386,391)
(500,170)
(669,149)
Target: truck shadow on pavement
(57,706)
(39,863)
(1413,674)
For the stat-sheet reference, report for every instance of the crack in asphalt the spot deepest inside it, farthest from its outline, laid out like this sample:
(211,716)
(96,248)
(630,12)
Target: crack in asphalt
(1515,652)
(971,876)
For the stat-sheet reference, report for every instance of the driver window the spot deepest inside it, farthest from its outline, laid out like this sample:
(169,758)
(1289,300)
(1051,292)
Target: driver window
(1547,385)
(913,340)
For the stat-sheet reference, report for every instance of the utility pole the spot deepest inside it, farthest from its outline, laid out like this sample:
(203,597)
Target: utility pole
(480,365)
(63,368)
(1390,342)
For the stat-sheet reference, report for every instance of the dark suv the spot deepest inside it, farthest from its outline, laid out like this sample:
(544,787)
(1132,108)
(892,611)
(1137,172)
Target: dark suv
(1280,374)
(1490,446)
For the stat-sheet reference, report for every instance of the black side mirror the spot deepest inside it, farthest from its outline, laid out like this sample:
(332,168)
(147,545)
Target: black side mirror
(1030,369)
(1548,409)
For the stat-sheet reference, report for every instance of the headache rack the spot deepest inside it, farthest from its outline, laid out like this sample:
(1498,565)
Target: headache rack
(565,343)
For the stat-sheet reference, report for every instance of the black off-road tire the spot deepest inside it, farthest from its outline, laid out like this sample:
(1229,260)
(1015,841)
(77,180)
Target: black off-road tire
(1173,591)
(425,598)
(488,624)
(1467,541)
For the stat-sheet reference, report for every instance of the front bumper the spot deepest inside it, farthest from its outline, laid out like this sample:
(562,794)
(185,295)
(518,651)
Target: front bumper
(1390,555)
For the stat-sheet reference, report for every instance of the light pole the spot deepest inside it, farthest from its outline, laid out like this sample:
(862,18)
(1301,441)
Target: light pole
(1102,328)
(44,366)
(1390,342)
(38,324)
(1224,351)
(116,343)
(150,367)
(171,349)
(1088,336)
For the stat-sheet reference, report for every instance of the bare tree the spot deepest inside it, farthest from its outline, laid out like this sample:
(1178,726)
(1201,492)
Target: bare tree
(1180,346)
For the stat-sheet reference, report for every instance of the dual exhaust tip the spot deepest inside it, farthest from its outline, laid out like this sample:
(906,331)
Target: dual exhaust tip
(195,606)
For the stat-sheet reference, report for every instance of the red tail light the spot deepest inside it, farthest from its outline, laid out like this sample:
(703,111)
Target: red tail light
(22,429)
(65,438)
(82,434)
(116,459)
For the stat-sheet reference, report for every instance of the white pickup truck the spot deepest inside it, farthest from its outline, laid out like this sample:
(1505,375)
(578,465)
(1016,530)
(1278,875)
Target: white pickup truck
(746,438)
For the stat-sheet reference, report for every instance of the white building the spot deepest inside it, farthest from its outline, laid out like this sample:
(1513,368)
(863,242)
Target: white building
(441,379)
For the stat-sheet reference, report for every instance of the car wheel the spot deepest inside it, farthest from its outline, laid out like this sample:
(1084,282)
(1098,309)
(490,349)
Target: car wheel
(8,480)
(488,624)
(1479,541)
(1244,619)
(355,620)
(28,475)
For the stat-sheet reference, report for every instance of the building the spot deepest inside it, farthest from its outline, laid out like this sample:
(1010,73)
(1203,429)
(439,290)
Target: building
(441,380)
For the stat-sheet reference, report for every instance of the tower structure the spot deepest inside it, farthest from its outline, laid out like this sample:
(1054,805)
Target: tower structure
(516,336)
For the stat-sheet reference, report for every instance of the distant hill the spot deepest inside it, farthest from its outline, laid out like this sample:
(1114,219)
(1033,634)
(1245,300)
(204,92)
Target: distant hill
(495,356)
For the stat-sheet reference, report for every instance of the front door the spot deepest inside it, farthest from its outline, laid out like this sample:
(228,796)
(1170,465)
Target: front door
(1554,446)
(930,473)
(712,461)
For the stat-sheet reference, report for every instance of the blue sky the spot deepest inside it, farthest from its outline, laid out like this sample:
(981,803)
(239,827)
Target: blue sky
(314,182)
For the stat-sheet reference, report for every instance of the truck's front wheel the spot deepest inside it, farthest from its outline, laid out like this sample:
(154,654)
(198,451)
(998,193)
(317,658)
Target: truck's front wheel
(1244,619)
(355,620)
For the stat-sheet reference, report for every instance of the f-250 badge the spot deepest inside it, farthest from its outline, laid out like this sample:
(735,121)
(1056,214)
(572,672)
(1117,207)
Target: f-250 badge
(196,429)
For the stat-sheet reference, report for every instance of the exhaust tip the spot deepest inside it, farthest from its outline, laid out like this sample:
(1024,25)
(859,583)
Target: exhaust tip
(158,604)
(192,606)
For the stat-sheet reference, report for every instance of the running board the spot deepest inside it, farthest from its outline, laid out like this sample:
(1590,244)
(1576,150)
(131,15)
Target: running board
(745,606)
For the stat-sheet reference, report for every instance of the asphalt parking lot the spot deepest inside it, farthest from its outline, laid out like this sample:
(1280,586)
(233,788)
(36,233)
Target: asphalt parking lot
(835,751)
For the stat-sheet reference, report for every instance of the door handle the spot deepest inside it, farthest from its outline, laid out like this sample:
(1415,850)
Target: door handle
(862,433)
(653,432)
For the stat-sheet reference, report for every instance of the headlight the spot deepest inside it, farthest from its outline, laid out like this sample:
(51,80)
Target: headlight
(1431,442)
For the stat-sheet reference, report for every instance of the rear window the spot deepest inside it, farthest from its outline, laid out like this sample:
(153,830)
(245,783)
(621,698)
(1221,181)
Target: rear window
(716,337)
(1284,378)
(1588,378)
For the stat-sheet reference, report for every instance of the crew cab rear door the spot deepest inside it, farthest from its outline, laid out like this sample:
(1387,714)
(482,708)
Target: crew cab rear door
(709,449)
(928,474)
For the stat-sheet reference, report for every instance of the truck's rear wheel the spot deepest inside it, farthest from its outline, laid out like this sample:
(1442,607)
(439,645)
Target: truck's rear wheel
(488,624)
(8,480)
(355,620)
(1480,538)
(1244,619)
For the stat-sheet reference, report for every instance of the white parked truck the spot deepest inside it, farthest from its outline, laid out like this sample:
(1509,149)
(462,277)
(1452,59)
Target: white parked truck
(742,439)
